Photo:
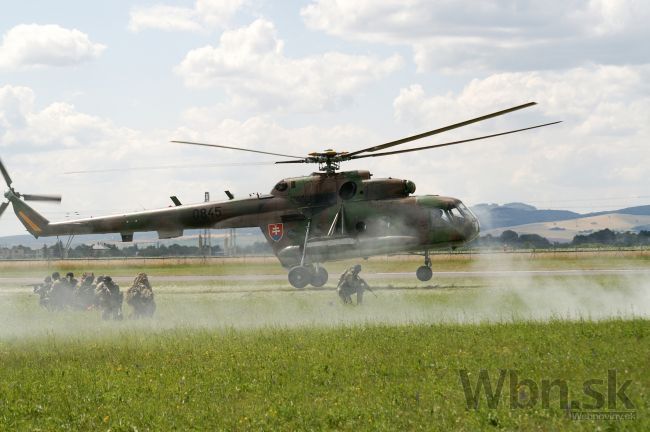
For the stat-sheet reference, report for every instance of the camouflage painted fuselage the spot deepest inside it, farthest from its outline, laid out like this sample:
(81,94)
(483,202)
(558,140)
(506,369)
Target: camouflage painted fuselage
(348,214)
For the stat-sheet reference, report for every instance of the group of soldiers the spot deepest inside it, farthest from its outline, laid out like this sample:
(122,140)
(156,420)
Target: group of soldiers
(101,293)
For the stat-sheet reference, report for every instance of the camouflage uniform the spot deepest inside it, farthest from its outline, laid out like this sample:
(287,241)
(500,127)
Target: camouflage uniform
(43,291)
(140,297)
(58,292)
(109,299)
(350,283)
(85,292)
(72,282)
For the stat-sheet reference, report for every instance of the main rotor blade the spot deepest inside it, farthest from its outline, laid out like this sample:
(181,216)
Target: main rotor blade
(162,167)
(3,207)
(442,129)
(290,161)
(237,148)
(52,198)
(5,174)
(453,142)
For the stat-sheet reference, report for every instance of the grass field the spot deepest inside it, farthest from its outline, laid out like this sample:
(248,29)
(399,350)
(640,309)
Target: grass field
(237,354)
(347,378)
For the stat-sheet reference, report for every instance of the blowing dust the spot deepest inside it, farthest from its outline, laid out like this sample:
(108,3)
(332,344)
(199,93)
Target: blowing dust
(473,297)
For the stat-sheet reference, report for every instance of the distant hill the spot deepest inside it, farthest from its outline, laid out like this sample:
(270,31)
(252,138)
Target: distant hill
(564,231)
(636,211)
(493,216)
(497,216)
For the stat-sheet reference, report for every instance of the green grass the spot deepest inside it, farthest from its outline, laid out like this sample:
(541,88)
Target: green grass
(256,355)
(345,378)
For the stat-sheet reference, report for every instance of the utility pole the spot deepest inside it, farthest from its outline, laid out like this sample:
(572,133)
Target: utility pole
(232,235)
(206,242)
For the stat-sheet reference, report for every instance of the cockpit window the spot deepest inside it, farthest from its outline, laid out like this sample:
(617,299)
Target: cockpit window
(457,216)
(456,213)
(438,217)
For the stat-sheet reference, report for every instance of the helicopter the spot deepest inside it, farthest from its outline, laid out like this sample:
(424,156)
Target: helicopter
(326,216)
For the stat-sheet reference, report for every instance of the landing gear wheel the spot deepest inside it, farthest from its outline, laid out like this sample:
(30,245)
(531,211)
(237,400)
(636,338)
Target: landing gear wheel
(299,277)
(319,277)
(424,273)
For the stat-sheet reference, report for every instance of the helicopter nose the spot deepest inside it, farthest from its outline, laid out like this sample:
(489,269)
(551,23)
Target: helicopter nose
(473,229)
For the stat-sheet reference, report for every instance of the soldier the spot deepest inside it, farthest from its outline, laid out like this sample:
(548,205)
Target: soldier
(72,282)
(69,285)
(58,294)
(43,291)
(85,292)
(350,283)
(109,299)
(140,297)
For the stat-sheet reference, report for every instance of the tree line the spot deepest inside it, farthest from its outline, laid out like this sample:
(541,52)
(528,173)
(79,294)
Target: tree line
(605,237)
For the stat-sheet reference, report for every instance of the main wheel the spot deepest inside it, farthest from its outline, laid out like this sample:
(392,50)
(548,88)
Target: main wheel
(319,277)
(299,277)
(424,273)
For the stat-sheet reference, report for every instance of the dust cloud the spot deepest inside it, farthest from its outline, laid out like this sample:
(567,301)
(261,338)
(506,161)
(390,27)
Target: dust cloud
(267,304)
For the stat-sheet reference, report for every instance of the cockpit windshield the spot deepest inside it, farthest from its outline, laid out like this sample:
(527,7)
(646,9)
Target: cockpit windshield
(458,216)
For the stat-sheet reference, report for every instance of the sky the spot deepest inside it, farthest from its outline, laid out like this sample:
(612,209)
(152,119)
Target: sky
(107,86)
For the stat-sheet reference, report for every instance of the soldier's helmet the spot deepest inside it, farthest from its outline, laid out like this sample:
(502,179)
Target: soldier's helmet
(108,279)
(56,276)
(69,274)
(356,268)
(100,279)
(48,279)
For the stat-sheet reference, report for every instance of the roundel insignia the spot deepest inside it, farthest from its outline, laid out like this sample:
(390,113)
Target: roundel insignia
(276,231)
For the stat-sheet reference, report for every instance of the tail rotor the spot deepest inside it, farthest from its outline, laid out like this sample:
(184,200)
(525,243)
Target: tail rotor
(12,194)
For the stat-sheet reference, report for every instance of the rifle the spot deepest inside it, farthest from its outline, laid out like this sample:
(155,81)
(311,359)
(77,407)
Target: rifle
(366,286)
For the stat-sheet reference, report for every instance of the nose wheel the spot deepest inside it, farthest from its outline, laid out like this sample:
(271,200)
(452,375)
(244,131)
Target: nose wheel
(424,273)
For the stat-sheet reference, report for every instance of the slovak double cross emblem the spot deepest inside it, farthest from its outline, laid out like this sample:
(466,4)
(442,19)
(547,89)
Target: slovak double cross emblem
(276,231)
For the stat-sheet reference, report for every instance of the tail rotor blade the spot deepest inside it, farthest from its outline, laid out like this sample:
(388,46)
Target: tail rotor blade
(5,174)
(3,207)
(51,198)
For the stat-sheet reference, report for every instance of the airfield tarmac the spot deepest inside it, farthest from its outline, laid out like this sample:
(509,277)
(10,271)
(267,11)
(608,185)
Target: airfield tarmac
(377,276)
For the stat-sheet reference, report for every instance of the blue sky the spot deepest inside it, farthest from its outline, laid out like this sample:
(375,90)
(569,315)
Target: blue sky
(92,85)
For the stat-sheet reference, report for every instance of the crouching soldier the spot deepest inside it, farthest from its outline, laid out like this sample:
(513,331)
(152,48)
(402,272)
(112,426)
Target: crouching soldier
(350,283)
(58,293)
(140,297)
(43,291)
(85,292)
(109,299)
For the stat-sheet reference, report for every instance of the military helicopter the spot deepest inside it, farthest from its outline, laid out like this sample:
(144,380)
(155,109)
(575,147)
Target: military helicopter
(325,216)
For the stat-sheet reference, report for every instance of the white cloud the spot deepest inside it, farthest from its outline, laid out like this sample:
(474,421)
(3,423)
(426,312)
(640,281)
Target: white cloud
(469,35)
(600,147)
(33,45)
(204,15)
(39,144)
(250,64)
(58,125)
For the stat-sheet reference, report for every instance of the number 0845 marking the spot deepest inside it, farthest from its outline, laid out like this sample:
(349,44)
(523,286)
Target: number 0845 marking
(207,213)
